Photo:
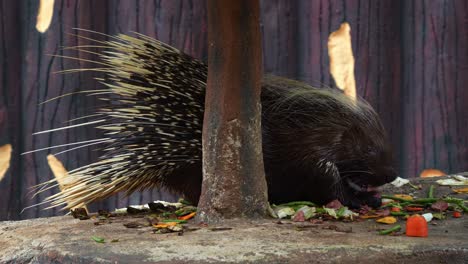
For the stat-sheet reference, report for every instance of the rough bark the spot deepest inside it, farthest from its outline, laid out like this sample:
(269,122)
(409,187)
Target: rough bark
(234,182)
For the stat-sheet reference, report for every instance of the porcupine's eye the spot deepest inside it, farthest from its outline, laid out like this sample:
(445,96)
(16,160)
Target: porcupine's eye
(380,164)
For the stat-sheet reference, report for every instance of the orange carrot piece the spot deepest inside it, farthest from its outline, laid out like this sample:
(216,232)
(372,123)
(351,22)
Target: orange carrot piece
(416,226)
(165,225)
(187,217)
(395,209)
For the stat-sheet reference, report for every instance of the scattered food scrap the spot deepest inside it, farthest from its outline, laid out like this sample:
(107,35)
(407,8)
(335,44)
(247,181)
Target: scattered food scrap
(454,180)
(456,214)
(416,226)
(390,230)
(80,213)
(413,207)
(461,190)
(398,182)
(431,173)
(98,239)
(389,220)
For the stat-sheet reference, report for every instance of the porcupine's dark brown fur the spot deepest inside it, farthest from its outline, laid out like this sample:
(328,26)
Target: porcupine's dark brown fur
(318,144)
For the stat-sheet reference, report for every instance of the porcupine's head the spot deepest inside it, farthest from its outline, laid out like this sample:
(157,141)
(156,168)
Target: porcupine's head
(364,160)
(322,145)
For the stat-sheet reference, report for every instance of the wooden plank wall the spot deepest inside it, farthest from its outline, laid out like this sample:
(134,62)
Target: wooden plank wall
(411,65)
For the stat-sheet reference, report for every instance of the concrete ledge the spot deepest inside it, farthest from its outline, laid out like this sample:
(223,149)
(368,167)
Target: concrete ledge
(68,240)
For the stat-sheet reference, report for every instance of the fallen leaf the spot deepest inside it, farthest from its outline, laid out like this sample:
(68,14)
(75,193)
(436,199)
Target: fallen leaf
(387,220)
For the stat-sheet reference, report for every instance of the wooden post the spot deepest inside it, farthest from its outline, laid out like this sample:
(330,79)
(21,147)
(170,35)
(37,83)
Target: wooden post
(234,184)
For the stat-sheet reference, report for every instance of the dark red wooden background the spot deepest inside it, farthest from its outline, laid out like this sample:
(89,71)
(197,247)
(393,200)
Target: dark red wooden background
(411,65)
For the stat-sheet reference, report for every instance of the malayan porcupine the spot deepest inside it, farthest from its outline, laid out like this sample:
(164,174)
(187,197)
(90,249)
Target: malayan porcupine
(318,145)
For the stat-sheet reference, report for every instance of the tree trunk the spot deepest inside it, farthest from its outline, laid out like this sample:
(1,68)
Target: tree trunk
(234,182)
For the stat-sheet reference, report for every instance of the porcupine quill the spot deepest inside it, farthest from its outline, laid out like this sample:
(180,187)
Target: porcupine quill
(318,144)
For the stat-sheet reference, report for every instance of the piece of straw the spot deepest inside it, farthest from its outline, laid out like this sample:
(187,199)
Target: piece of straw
(44,15)
(5,156)
(342,60)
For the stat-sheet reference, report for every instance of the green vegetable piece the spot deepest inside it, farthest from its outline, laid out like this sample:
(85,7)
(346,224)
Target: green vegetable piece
(165,214)
(430,193)
(439,216)
(398,214)
(98,239)
(390,230)
(174,220)
(341,211)
(185,210)
(184,202)
(331,212)
(298,203)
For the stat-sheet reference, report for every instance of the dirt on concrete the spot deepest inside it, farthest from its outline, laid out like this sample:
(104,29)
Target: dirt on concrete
(68,240)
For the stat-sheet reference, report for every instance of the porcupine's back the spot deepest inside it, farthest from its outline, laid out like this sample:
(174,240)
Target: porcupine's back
(153,125)
(315,140)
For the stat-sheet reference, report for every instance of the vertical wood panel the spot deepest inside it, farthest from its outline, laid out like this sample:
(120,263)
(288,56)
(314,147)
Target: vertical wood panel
(279,27)
(411,65)
(40,82)
(435,74)
(10,103)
